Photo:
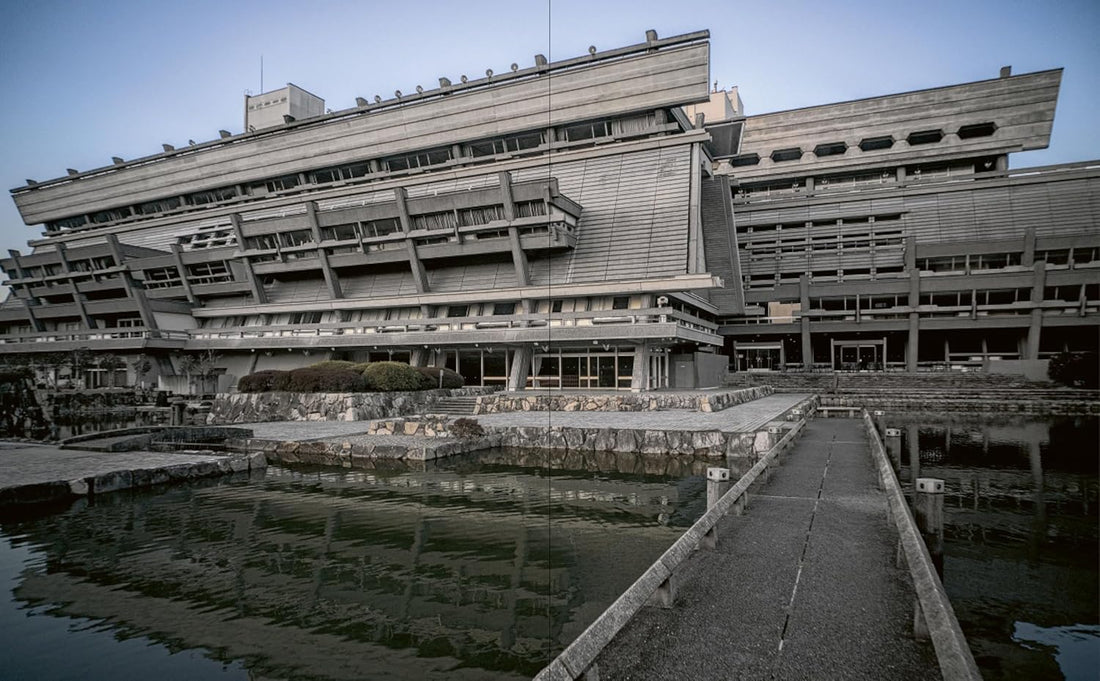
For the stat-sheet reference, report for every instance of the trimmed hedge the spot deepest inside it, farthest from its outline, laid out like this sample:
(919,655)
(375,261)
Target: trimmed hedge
(392,376)
(344,377)
(429,378)
(1077,369)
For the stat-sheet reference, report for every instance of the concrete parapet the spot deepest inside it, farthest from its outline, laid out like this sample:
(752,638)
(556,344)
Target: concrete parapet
(933,614)
(657,584)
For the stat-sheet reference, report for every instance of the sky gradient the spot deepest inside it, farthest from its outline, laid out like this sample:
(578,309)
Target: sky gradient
(90,80)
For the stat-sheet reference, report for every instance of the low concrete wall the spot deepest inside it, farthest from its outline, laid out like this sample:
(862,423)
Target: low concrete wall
(952,651)
(707,443)
(282,406)
(578,658)
(700,401)
(1031,369)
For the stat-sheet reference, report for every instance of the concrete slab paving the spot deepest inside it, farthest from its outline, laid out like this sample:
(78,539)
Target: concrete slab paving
(803,586)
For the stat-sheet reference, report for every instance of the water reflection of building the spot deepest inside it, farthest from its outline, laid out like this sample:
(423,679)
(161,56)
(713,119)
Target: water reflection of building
(465,570)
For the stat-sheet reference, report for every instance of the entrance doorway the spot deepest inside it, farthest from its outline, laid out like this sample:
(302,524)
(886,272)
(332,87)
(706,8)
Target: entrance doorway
(864,355)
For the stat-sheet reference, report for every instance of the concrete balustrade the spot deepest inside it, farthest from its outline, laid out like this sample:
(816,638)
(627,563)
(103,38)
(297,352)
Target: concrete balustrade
(657,585)
(933,615)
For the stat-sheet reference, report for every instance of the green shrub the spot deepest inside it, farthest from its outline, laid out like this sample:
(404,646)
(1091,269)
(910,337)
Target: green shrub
(325,380)
(259,382)
(1079,369)
(466,429)
(429,378)
(334,364)
(392,376)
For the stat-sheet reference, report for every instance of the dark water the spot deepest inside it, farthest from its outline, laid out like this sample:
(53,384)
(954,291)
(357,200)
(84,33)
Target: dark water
(479,568)
(1021,548)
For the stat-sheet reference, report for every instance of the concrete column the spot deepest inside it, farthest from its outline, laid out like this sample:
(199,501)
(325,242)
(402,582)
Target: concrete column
(419,357)
(78,298)
(1028,257)
(181,269)
(1035,328)
(420,275)
(718,482)
(929,516)
(26,297)
(520,369)
(912,349)
(639,379)
(331,281)
(807,346)
(912,345)
(253,282)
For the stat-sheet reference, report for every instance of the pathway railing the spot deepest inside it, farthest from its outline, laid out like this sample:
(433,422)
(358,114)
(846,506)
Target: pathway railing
(656,585)
(933,616)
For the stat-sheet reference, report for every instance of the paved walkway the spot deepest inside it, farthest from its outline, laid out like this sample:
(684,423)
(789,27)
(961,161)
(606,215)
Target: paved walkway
(803,586)
(740,418)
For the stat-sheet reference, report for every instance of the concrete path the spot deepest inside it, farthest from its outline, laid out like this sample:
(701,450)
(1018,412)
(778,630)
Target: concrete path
(740,418)
(803,586)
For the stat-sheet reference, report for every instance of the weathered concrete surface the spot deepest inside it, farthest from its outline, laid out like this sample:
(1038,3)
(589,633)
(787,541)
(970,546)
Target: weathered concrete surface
(802,586)
(36,473)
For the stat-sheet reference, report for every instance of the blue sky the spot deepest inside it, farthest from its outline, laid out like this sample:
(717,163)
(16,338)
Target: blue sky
(85,81)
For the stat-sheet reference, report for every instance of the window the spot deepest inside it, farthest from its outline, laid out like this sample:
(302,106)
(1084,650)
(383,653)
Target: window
(296,238)
(924,137)
(529,209)
(555,306)
(457,310)
(585,131)
(830,149)
(66,223)
(505,145)
(781,155)
(434,221)
(620,302)
(876,143)
(338,174)
(261,242)
(480,215)
(419,160)
(744,160)
(212,196)
(977,130)
(380,227)
(209,273)
(504,308)
(341,232)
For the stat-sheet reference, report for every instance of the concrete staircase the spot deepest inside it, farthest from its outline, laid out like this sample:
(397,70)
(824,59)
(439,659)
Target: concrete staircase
(455,406)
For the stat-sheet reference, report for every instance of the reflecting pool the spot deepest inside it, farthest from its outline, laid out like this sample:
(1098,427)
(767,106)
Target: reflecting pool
(1020,535)
(480,567)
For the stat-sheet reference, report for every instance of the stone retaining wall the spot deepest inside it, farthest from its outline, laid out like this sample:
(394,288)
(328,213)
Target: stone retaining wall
(707,401)
(283,406)
(367,455)
(699,443)
(432,425)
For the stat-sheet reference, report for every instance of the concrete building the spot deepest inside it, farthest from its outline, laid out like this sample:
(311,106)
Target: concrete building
(603,222)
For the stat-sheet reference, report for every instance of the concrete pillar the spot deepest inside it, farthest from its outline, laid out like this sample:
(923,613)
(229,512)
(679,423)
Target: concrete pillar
(718,482)
(807,341)
(1028,257)
(181,269)
(929,516)
(893,446)
(254,284)
(331,281)
(419,357)
(912,345)
(1035,328)
(520,369)
(639,379)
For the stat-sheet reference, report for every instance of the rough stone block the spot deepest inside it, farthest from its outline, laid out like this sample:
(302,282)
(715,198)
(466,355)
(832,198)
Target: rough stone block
(110,482)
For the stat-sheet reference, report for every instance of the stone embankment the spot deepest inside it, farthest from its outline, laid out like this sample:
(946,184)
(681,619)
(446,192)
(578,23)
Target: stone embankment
(284,406)
(707,401)
(958,401)
(366,452)
(37,474)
